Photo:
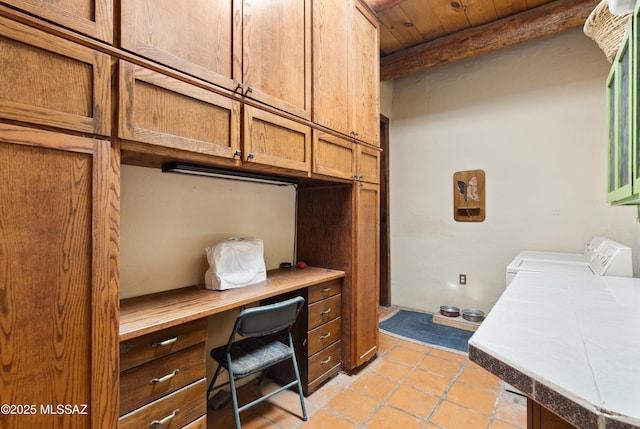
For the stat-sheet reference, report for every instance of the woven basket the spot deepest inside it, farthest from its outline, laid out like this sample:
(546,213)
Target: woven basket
(606,29)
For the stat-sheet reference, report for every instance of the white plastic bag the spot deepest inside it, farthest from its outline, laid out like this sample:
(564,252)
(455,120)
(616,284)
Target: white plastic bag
(234,263)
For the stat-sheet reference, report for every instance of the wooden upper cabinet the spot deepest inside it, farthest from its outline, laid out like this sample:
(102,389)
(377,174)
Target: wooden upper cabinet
(275,141)
(276,54)
(346,69)
(367,164)
(365,77)
(163,111)
(197,37)
(333,156)
(93,18)
(50,81)
(260,50)
(331,36)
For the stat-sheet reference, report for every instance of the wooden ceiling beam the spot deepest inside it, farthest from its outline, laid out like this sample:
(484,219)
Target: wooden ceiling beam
(544,20)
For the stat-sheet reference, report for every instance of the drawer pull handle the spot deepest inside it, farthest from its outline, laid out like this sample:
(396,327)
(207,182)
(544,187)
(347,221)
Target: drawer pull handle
(325,290)
(326,361)
(327,311)
(164,378)
(324,337)
(165,420)
(165,342)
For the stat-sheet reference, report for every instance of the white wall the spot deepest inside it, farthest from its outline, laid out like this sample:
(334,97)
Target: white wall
(533,118)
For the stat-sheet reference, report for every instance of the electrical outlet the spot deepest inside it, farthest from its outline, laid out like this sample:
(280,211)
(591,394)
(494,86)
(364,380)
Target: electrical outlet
(462,279)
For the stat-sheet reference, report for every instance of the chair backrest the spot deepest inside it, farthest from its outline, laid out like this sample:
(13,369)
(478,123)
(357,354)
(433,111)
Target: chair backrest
(268,319)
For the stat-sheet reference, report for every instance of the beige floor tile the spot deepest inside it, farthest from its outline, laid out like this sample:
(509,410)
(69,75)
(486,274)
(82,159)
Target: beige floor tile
(391,369)
(323,420)
(326,392)
(452,416)
(512,412)
(414,401)
(480,379)
(454,357)
(405,355)
(353,405)
(428,382)
(419,347)
(497,424)
(470,397)
(391,418)
(384,347)
(441,366)
(390,339)
(374,385)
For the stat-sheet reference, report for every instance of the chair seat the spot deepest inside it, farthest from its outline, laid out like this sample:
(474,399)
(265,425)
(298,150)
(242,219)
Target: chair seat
(251,354)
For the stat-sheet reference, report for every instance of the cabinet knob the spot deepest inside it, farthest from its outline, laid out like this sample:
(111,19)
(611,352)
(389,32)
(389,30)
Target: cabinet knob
(250,89)
(237,153)
(327,311)
(251,156)
(239,88)
(165,342)
(164,378)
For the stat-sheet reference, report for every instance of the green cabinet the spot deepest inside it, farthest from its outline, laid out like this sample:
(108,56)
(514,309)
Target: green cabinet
(622,184)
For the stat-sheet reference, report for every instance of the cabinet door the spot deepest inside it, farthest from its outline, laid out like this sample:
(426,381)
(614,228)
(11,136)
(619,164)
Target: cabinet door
(276,54)
(53,82)
(365,288)
(331,36)
(275,141)
(367,164)
(333,156)
(91,17)
(58,278)
(365,77)
(163,111)
(198,37)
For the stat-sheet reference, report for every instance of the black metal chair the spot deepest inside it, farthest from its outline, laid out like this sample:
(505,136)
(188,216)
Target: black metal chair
(259,350)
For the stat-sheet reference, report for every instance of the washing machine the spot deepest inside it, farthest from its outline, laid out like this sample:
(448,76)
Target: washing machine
(601,257)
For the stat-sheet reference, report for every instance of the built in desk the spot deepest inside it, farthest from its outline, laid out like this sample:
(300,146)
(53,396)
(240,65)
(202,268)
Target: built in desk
(162,342)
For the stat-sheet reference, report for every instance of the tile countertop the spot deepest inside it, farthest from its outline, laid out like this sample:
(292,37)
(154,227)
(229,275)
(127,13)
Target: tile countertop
(570,342)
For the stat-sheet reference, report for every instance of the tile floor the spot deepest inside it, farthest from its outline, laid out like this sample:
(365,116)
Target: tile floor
(408,385)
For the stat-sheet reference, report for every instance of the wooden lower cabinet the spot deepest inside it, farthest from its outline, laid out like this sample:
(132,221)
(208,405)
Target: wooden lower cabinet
(316,335)
(58,279)
(538,417)
(341,230)
(163,377)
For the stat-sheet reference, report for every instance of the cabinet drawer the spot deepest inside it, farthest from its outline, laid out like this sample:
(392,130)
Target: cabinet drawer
(323,311)
(53,82)
(157,344)
(323,361)
(176,409)
(324,290)
(275,141)
(324,335)
(201,423)
(148,382)
(160,110)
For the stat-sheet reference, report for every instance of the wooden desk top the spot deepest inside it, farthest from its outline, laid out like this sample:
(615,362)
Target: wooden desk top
(149,313)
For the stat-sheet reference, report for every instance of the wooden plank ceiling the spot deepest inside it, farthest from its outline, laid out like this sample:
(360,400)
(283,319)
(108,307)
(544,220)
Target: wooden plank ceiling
(419,34)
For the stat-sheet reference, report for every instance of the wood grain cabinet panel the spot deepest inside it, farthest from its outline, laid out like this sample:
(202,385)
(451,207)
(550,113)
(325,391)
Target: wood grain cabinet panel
(93,18)
(368,164)
(58,295)
(364,93)
(198,37)
(333,156)
(163,111)
(50,81)
(346,69)
(276,54)
(275,141)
